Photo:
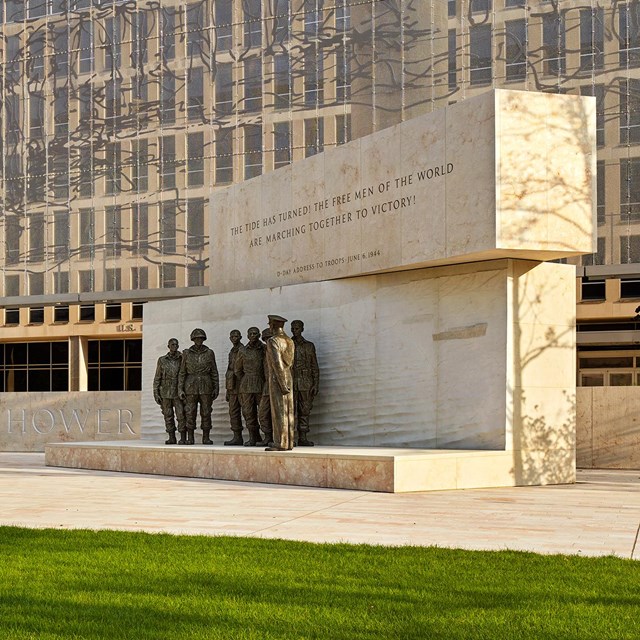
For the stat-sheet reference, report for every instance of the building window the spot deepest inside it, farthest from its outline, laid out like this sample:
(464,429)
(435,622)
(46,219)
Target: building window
(35,366)
(598,91)
(313,78)
(137,309)
(516,49)
(168,36)
(343,74)
(113,311)
(480,46)
(168,228)
(85,280)
(282,21)
(11,286)
(87,313)
(630,249)
(195,90)
(61,313)
(313,136)
(282,144)
(313,17)
(87,234)
(36,238)
(168,98)
(515,3)
(252,151)
(282,81)
(139,278)
(224,88)
(343,129)
(223,13)
(36,284)
(114,365)
(11,317)
(112,280)
(85,56)
(630,189)
(451,8)
(480,5)
(61,282)
(13,231)
(139,229)
(167,162)
(61,112)
(36,315)
(85,180)
(252,23)
(253,84)
(591,39)
(139,38)
(195,225)
(630,111)
(629,34)
(553,37)
(113,54)
(595,258)
(224,156)
(139,165)
(197,36)
(168,276)
(452,63)
(113,159)
(195,275)
(195,159)
(600,193)
(113,234)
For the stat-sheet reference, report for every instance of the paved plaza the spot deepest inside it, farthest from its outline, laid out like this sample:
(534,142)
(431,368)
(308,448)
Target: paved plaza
(599,515)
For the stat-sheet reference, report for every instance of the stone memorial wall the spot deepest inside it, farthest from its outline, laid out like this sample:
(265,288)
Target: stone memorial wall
(28,421)
(505,174)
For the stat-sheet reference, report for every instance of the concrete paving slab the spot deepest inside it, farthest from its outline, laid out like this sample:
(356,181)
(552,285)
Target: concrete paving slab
(599,515)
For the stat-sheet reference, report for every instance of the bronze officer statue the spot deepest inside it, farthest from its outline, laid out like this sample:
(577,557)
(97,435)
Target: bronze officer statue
(198,385)
(165,392)
(279,356)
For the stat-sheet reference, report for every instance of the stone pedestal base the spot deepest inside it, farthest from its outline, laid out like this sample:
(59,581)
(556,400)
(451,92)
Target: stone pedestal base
(365,469)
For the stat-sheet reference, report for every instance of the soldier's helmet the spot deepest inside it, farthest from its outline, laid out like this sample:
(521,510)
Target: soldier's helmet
(198,333)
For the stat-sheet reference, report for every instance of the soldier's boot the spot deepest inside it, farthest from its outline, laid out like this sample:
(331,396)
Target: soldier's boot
(267,440)
(205,436)
(236,441)
(190,439)
(253,438)
(183,437)
(303,441)
(171,439)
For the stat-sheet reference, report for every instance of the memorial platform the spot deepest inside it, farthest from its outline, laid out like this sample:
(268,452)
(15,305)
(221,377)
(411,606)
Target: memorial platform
(366,469)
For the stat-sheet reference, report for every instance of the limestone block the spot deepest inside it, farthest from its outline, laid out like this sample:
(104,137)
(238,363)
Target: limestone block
(505,174)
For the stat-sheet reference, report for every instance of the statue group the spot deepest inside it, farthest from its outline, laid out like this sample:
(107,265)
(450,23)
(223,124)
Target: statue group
(271,382)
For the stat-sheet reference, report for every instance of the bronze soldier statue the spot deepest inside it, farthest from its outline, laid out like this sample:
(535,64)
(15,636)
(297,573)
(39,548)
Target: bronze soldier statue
(231,383)
(279,355)
(165,392)
(249,371)
(264,408)
(306,378)
(198,384)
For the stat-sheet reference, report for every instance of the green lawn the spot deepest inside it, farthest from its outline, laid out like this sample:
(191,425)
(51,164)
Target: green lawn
(85,584)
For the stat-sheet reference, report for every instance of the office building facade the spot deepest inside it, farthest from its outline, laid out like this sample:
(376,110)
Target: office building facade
(120,117)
